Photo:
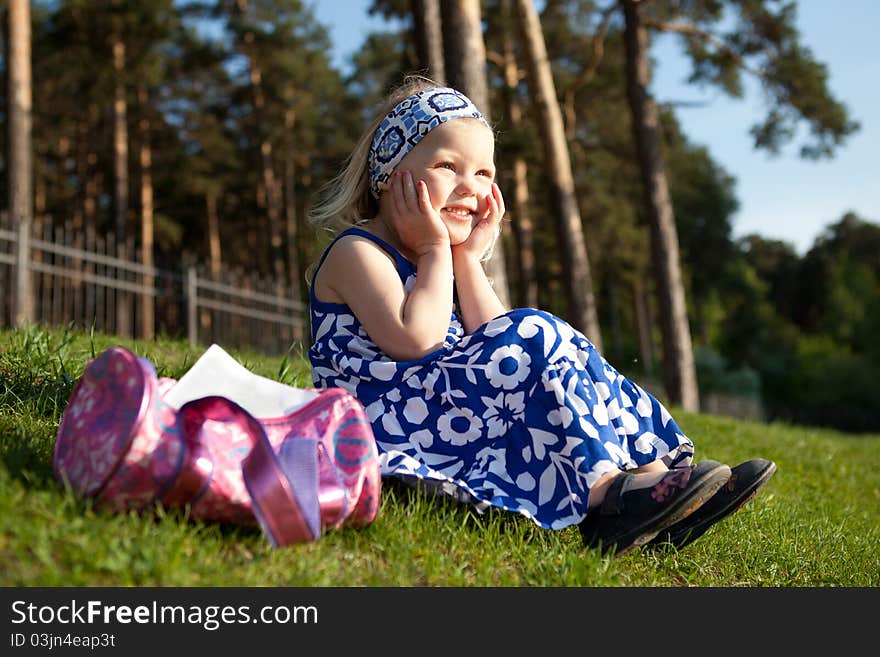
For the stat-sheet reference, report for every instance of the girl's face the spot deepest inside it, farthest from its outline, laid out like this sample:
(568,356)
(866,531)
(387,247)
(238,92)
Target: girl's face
(455,160)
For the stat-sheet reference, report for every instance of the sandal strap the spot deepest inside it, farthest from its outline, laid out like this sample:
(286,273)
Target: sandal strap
(613,504)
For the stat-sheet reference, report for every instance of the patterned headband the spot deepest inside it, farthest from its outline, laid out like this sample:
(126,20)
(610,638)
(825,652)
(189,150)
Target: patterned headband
(409,121)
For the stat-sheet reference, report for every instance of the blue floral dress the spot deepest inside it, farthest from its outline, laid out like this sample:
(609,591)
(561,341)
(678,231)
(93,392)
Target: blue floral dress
(522,414)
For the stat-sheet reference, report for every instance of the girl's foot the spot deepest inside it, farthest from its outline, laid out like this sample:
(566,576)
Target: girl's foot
(745,480)
(630,517)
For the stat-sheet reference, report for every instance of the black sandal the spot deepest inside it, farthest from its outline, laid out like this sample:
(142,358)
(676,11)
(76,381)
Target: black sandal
(745,480)
(629,518)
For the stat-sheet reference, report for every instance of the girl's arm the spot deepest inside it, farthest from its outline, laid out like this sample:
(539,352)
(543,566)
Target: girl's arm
(477,300)
(362,275)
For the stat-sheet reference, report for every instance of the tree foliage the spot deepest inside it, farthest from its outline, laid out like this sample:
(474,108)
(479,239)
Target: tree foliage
(798,331)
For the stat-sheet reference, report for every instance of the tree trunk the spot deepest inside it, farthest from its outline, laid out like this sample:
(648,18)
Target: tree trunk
(120,135)
(94,183)
(578,281)
(40,218)
(148,301)
(465,64)
(91,183)
(213,220)
(120,170)
(679,370)
(65,148)
(306,249)
(269,179)
(290,218)
(615,348)
(19,166)
(429,38)
(521,220)
(85,160)
(643,324)
(207,317)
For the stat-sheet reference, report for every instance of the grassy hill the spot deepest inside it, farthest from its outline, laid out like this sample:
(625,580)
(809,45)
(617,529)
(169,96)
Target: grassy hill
(817,522)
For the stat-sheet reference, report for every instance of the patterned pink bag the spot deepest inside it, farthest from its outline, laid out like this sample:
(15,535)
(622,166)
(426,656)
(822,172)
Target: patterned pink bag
(131,440)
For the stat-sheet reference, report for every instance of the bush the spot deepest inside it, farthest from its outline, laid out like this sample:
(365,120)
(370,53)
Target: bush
(715,375)
(832,386)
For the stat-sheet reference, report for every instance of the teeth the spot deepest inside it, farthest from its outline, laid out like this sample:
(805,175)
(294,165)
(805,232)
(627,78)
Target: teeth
(459,211)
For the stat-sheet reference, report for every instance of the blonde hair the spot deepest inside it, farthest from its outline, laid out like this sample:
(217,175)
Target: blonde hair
(346,200)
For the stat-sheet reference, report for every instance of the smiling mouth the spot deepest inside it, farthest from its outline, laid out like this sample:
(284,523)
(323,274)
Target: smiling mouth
(459,213)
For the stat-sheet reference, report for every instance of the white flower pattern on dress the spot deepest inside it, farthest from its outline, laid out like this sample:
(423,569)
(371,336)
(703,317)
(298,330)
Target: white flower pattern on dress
(459,426)
(502,411)
(508,367)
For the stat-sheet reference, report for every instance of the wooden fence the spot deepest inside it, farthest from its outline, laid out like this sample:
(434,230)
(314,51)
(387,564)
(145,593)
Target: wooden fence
(96,286)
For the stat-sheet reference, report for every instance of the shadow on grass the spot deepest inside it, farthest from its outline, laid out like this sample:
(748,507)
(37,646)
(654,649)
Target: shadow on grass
(435,505)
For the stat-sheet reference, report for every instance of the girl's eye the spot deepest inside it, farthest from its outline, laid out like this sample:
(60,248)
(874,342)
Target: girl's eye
(446,165)
(485,172)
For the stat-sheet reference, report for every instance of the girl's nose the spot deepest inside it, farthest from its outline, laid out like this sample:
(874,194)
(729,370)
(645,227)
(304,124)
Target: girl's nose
(467,186)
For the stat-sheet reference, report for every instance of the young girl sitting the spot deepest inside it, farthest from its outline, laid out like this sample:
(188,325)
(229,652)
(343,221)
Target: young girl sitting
(509,409)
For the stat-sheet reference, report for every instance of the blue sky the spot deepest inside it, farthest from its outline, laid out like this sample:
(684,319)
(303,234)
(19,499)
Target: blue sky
(781,197)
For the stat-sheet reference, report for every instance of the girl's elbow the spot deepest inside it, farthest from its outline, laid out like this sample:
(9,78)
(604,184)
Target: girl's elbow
(411,349)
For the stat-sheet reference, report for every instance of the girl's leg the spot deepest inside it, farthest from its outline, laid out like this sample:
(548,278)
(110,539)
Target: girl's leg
(653,466)
(643,477)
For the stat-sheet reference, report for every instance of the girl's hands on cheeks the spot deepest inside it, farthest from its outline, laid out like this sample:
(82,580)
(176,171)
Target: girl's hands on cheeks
(487,228)
(417,224)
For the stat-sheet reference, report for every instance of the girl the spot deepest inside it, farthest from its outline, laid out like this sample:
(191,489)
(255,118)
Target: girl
(508,409)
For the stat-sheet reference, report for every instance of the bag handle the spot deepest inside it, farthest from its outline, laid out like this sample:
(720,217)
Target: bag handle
(284,489)
(295,492)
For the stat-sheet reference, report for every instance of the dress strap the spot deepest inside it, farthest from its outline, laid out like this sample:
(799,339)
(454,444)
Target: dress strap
(403,265)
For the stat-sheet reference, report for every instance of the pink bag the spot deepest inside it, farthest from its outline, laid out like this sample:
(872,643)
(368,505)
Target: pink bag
(122,441)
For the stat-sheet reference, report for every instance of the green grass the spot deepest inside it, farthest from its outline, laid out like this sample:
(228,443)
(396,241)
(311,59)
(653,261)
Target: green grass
(816,523)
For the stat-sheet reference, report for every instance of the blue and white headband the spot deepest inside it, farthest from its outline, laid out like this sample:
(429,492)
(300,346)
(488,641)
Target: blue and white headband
(409,121)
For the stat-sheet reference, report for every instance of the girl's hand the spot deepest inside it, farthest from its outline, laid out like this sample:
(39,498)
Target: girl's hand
(417,224)
(487,229)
